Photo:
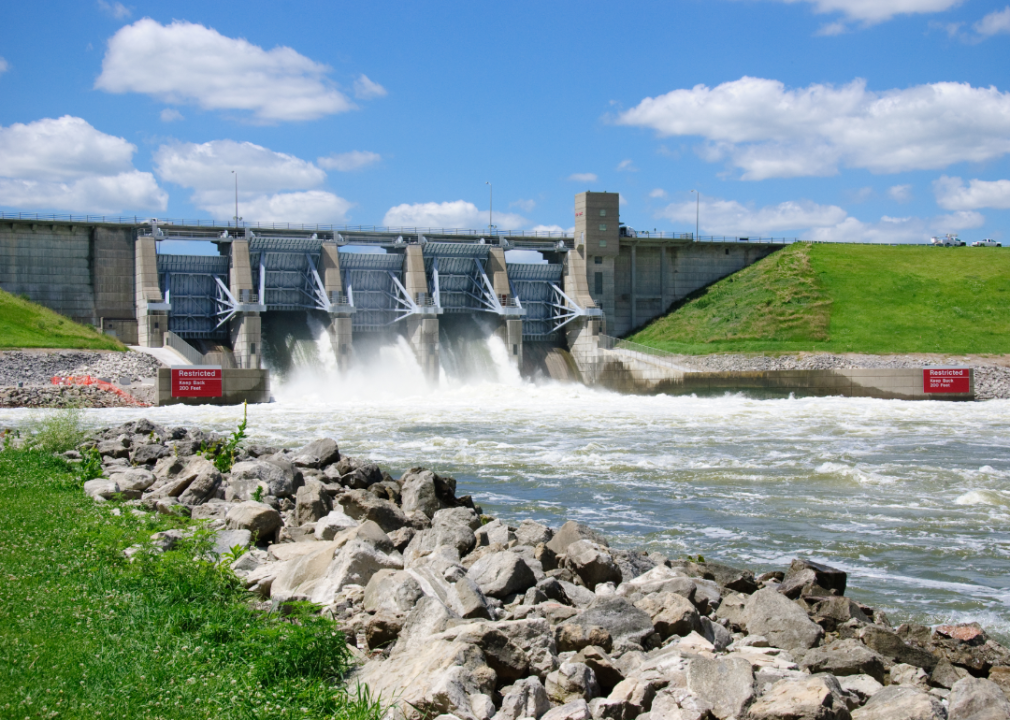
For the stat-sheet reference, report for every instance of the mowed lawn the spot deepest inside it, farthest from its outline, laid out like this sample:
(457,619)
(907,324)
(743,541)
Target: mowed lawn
(849,298)
(24,324)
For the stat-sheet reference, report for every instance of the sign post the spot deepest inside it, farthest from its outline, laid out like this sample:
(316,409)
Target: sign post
(195,381)
(946,380)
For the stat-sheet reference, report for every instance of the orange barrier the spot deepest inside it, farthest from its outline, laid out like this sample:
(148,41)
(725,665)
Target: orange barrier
(101,385)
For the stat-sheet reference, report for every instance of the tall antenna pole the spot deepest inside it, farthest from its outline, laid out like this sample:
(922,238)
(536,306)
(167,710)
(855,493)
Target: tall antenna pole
(697,212)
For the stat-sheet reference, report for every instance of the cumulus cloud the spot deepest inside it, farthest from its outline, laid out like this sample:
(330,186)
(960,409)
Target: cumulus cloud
(900,193)
(365,89)
(583,177)
(896,230)
(952,194)
(273,186)
(4,66)
(552,229)
(995,23)
(171,115)
(115,9)
(346,162)
(769,131)
(626,166)
(729,217)
(524,205)
(66,164)
(189,63)
(658,193)
(457,214)
(875,11)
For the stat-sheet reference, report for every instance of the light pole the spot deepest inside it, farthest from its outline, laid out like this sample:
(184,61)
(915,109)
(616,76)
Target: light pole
(236,218)
(490,210)
(697,212)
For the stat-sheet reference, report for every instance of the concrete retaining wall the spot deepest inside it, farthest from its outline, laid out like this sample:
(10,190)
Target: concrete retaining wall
(238,385)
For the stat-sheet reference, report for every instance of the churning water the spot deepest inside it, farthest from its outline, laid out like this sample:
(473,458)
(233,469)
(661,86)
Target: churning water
(911,498)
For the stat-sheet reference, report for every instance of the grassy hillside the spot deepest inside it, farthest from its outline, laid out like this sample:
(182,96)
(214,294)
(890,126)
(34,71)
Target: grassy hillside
(849,298)
(23,324)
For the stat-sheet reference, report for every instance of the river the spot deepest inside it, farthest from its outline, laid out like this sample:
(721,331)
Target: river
(912,499)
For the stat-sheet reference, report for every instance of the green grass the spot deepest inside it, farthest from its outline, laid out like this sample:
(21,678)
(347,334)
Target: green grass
(849,298)
(24,324)
(86,634)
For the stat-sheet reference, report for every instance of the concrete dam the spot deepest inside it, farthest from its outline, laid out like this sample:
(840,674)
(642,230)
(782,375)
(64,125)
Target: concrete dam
(557,308)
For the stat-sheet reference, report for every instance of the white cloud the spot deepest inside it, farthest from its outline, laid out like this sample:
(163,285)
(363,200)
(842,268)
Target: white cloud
(552,229)
(273,186)
(348,161)
(729,217)
(524,205)
(768,131)
(658,193)
(313,206)
(189,63)
(66,164)
(626,166)
(4,66)
(874,11)
(171,115)
(952,194)
(862,194)
(583,177)
(365,89)
(994,23)
(896,230)
(457,214)
(900,193)
(832,29)
(115,9)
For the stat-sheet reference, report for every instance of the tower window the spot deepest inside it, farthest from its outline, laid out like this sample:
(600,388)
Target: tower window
(598,260)
(603,213)
(599,283)
(603,226)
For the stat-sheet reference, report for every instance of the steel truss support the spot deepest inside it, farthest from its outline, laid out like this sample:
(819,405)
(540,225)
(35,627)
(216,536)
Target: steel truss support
(408,306)
(484,294)
(229,306)
(564,309)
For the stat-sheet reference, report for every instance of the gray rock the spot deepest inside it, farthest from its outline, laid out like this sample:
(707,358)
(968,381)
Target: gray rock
(226,540)
(204,480)
(977,699)
(572,681)
(593,563)
(147,454)
(317,454)
(731,578)
(353,564)
(312,503)
(117,448)
(575,710)
(533,533)
(508,660)
(726,685)
(533,635)
(333,523)
(818,697)
(782,621)
(501,574)
(211,510)
(417,488)
(527,699)
(830,612)
(258,518)
(428,617)
(863,687)
(572,531)
(806,576)
(620,618)
(101,489)
(382,630)
(720,637)
(494,533)
(392,591)
(363,505)
(607,673)
(671,614)
(575,638)
(888,644)
(845,657)
(247,476)
(945,674)
(133,480)
(468,601)
(901,703)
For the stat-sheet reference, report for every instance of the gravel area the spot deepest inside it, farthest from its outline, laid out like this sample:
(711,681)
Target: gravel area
(992,374)
(33,368)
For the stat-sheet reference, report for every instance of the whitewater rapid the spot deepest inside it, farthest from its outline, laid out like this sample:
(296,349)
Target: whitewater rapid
(911,498)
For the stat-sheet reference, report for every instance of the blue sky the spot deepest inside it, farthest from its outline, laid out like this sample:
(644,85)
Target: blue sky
(869,120)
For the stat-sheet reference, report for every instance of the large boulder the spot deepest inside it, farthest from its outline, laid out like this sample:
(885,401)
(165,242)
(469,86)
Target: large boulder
(147,454)
(977,699)
(296,578)
(533,635)
(888,644)
(533,533)
(572,681)
(575,710)
(333,523)
(807,577)
(363,505)
(593,563)
(846,657)
(657,580)
(101,489)
(818,697)
(249,475)
(501,574)
(392,591)
(417,492)
(203,480)
(620,618)
(317,454)
(968,645)
(133,481)
(727,576)
(312,503)
(466,598)
(506,658)
(526,699)
(428,617)
(258,518)
(607,673)
(452,527)
(726,685)
(785,624)
(571,532)
(898,702)
(671,614)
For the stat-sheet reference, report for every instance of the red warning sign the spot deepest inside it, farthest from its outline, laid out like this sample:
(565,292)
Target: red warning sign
(196,381)
(946,380)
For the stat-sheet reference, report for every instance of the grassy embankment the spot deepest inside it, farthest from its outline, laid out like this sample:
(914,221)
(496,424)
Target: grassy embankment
(24,324)
(86,634)
(849,298)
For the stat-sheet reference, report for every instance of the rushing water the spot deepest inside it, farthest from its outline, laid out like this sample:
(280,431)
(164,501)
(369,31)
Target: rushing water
(911,498)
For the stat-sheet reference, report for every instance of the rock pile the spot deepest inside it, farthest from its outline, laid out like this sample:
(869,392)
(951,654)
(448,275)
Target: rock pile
(458,615)
(37,367)
(53,396)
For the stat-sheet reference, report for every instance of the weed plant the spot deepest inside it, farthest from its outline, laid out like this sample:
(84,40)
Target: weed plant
(56,431)
(86,633)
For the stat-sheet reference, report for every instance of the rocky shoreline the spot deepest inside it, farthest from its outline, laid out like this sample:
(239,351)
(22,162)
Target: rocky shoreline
(454,614)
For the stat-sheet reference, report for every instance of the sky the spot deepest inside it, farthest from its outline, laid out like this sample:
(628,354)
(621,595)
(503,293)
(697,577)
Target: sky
(841,120)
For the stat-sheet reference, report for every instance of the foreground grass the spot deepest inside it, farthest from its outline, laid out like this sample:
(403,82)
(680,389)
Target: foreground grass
(86,634)
(24,324)
(849,298)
